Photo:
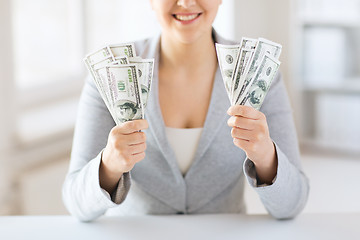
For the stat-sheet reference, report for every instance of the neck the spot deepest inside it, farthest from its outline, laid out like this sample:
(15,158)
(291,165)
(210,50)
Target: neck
(176,54)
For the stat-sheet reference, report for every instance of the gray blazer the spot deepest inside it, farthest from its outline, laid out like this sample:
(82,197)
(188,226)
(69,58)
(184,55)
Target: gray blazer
(215,181)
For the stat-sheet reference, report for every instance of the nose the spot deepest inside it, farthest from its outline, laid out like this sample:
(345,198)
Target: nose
(186,3)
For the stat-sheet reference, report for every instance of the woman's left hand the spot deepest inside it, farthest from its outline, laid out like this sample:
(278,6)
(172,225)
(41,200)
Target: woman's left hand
(250,132)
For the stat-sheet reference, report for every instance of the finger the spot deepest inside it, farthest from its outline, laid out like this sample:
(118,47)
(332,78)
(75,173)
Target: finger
(241,143)
(241,122)
(252,136)
(122,140)
(241,134)
(138,148)
(135,138)
(244,111)
(132,126)
(138,157)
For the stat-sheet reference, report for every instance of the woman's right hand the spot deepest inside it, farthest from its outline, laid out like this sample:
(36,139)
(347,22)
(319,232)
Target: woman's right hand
(125,147)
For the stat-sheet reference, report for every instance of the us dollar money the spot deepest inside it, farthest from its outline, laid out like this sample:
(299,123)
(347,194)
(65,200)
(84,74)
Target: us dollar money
(127,49)
(121,60)
(124,85)
(102,79)
(100,83)
(249,43)
(145,72)
(246,43)
(111,51)
(260,85)
(227,57)
(99,55)
(125,88)
(263,47)
(244,58)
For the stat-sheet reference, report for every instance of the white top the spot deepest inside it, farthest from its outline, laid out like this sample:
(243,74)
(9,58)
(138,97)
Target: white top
(184,142)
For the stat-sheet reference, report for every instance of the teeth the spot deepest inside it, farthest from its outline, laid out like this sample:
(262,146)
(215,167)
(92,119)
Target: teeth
(186,17)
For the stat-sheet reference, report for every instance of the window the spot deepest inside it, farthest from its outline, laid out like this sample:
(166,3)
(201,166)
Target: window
(49,40)
(48,46)
(116,21)
(328,53)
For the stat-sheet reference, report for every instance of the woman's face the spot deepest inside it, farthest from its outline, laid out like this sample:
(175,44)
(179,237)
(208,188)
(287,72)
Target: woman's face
(186,20)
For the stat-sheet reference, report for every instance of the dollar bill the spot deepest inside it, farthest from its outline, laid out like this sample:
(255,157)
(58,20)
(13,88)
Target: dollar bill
(125,88)
(121,60)
(263,46)
(102,80)
(112,51)
(103,63)
(246,43)
(99,55)
(244,59)
(127,49)
(262,80)
(145,75)
(101,86)
(249,43)
(227,57)
(124,85)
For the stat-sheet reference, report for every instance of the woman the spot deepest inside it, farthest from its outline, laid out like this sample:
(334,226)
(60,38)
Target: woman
(187,102)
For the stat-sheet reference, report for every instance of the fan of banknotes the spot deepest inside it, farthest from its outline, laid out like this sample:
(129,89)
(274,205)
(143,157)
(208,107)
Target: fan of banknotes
(248,69)
(122,79)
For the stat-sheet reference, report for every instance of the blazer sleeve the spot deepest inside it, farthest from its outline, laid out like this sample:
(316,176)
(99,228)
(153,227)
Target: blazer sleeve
(82,194)
(287,195)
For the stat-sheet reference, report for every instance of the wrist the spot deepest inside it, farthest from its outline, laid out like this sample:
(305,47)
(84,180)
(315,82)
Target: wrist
(266,167)
(108,179)
(108,171)
(107,166)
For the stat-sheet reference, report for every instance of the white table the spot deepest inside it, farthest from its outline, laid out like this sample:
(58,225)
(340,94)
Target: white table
(230,226)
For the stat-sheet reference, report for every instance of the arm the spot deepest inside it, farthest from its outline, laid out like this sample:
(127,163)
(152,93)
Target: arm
(94,173)
(276,160)
(82,193)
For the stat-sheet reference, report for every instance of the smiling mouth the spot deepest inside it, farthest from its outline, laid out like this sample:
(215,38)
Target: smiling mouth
(186,17)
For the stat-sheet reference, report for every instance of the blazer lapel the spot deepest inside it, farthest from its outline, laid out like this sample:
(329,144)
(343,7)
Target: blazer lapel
(216,164)
(158,174)
(154,116)
(218,104)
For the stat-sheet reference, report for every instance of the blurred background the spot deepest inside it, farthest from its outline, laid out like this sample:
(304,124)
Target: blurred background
(43,42)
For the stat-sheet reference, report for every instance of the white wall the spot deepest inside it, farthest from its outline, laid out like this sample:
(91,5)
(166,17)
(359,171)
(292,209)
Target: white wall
(6,104)
(6,78)
(268,19)
(224,23)
(273,20)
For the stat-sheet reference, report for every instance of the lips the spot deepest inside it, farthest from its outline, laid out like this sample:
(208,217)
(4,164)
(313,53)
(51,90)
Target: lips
(186,17)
